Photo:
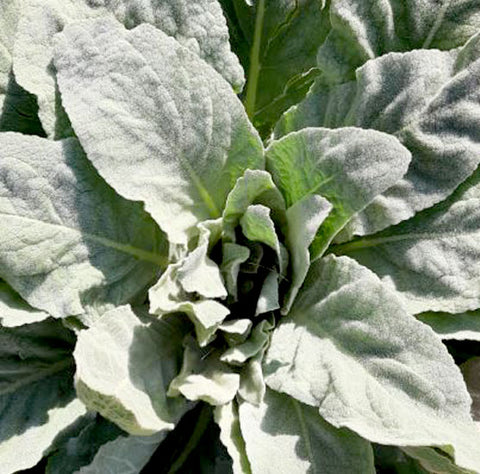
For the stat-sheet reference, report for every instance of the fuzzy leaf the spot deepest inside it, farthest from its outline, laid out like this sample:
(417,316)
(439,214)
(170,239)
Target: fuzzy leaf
(350,348)
(180,145)
(464,326)
(284,436)
(197,24)
(124,366)
(348,166)
(362,31)
(66,233)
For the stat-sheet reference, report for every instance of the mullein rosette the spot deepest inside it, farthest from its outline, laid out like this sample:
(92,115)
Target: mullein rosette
(278,285)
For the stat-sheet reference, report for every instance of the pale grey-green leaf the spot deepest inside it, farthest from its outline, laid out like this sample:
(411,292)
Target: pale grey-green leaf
(198,24)
(252,383)
(284,436)
(124,367)
(268,299)
(463,326)
(180,145)
(303,220)
(14,311)
(66,233)
(226,417)
(432,260)
(37,399)
(348,166)
(429,100)
(204,376)
(362,31)
(350,348)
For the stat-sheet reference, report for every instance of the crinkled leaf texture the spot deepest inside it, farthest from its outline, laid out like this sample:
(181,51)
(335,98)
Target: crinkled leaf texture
(179,145)
(197,24)
(67,240)
(348,166)
(125,363)
(37,399)
(350,348)
(429,100)
(370,28)
(284,436)
(432,260)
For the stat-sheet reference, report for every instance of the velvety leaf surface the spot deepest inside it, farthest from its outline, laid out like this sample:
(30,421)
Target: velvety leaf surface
(430,101)
(14,311)
(368,29)
(37,399)
(284,436)
(66,233)
(433,259)
(197,24)
(350,348)
(124,366)
(348,166)
(179,145)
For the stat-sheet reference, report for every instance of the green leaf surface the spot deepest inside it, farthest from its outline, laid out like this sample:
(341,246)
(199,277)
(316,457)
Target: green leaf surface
(197,24)
(463,326)
(283,435)
(368,29)
(14,311)
(226,417)
(350,348)
(434,460)
(348,166)
(66,233)
(37,399)
(124,366)
(429,100)
(282,37)
(180,145)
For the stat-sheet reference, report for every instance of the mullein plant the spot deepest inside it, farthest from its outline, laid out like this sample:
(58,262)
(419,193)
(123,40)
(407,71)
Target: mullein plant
(286,265)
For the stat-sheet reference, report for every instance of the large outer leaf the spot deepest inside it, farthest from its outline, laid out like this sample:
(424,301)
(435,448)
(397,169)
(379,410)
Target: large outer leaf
(370,28)
(349,348)
(464,326)
(124,367)
(430,101)
(37,400)
(67,240)
(158,123)
(433,259)
(348,166)
(198,24)
(284,436)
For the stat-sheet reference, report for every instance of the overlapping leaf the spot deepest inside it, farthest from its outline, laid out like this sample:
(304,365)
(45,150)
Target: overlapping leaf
(124,366)
(66,233)
(198,24)
(349,348)
(429,100)
(158,123)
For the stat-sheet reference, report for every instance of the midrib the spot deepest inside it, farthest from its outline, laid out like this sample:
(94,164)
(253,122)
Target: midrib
(141,254)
